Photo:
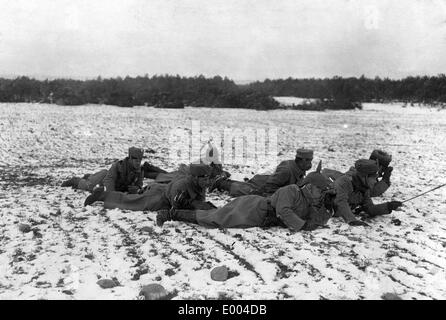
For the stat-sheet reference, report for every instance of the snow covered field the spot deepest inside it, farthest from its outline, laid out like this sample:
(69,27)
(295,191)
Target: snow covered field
(69,247)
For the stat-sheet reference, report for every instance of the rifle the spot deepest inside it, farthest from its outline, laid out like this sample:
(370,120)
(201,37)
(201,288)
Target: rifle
(438,187)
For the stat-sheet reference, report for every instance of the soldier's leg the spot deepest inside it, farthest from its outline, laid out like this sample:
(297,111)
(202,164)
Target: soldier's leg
(238,189)
(98,194)
(153,199)
(72,182)
(235,188)
(92,180)
(176,215)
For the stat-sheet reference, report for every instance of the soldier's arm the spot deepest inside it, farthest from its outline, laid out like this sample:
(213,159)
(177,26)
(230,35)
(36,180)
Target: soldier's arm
(379,188)
(201,196)
(374,209)
(278,179)
(110,178)
(139,182)
(284,201)
(343,188)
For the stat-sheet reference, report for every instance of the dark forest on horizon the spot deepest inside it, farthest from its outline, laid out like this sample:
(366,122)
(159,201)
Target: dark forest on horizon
(169,91)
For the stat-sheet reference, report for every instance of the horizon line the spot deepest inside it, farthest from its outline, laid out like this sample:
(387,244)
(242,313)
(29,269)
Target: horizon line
(236,81)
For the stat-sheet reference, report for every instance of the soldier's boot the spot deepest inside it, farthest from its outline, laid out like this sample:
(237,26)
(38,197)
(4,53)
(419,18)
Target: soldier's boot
(221,183)
(72,182)
(98,194)
(184,215)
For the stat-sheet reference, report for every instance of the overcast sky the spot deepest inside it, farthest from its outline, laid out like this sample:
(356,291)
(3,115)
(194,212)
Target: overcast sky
(241,39)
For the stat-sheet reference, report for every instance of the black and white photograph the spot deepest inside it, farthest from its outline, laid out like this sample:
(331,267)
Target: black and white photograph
(229,150)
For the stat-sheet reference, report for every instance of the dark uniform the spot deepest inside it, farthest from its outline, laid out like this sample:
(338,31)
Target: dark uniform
(182,193)
(382,182)
(352,193)
(122,175)
(119,177)
(290,206)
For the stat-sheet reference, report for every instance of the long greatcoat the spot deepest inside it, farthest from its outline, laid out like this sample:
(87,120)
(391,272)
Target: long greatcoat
(158,196)
(289,206)
(348,198)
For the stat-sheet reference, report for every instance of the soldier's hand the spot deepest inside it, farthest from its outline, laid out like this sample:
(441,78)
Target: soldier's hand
(392,205)
(309,226)
(357,223)
(387,173)
(133,189)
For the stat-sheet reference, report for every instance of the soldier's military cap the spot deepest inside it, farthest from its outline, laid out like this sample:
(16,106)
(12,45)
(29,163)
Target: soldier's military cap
(383,157)
(200,170)
(304,153)
(135,152)
(318,180)
(366,166)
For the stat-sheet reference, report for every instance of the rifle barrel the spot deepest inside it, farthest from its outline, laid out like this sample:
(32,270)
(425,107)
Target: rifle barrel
(438,187)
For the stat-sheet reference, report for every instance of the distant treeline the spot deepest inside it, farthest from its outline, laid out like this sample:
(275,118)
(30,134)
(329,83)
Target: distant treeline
(411,89)
(176,91)
(165,90)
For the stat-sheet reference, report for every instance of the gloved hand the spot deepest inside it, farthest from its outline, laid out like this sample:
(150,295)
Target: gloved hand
(309,226)
(357,223)
(133,189)
(387,173)
(392,205)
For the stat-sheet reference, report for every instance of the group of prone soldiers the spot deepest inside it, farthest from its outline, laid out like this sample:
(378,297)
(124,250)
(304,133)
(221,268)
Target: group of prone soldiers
(289,197)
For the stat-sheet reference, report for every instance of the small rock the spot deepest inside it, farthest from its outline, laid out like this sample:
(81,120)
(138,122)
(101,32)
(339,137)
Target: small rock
(37,234)
(153,291)
(169,272)
(390,296)
(219,273)
(89,256)
(396,222)
(106,283)
(25,228)
(331,149)
(146,229)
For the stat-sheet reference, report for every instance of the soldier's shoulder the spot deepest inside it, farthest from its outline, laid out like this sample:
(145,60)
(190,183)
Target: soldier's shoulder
(180,181)
(343,181)
(115,164)
(285,166)
(289,188)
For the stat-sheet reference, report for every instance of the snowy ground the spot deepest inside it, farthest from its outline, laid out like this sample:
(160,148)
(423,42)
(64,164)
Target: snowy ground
(71,247)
